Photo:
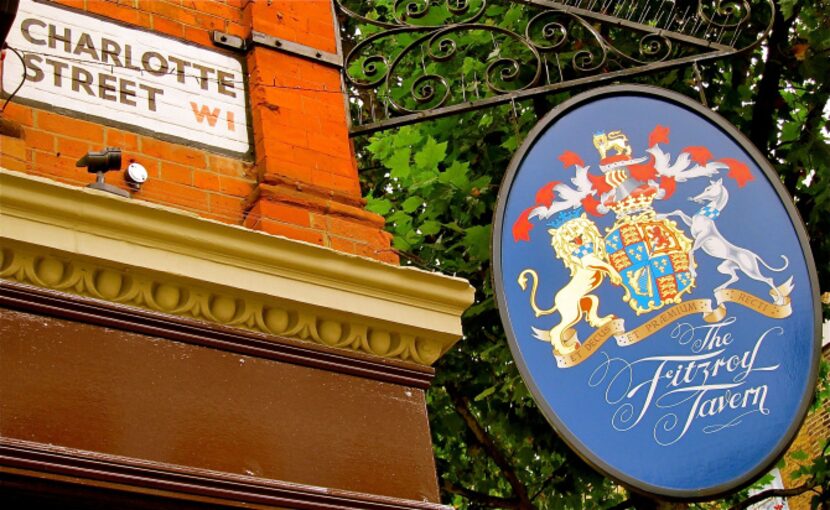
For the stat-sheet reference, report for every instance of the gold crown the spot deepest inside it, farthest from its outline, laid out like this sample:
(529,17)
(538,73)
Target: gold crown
(639,200)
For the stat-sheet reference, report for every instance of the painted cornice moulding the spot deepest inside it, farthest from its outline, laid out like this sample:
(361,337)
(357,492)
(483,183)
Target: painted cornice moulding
(90,243)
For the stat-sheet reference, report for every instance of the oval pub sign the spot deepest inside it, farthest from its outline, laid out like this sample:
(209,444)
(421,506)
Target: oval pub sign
(658,291)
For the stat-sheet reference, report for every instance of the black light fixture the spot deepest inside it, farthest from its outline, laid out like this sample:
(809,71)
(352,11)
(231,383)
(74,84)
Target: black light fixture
(8,11)
(100,163)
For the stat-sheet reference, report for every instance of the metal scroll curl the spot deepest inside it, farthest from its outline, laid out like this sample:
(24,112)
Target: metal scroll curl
(641,49)
(444,66)
(566,36)
(734,13)
(413,13)
(510,64)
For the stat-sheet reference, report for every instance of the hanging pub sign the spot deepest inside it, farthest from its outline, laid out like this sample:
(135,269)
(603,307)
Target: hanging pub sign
(123,76)
(658,291)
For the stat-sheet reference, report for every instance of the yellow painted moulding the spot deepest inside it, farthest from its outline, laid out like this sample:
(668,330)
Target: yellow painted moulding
(90,243)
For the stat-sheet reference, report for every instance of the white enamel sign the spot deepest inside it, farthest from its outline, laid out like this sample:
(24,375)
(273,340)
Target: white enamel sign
(126,76)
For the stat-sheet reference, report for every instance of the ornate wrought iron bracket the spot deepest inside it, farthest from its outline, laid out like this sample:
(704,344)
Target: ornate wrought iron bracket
(411,60)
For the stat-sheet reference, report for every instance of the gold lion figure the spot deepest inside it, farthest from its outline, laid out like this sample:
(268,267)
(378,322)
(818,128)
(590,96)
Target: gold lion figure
(615,140)
(573,301)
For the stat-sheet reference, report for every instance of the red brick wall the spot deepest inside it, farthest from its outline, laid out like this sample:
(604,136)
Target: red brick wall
(302,180)
(813,434)
(187,19)
(211,185)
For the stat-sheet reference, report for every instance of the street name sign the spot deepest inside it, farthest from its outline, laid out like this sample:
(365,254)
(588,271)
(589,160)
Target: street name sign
(125,76)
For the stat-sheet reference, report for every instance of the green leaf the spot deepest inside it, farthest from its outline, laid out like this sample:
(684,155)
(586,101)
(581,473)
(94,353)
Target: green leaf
(380,146)
(798,455)
(513,15)
(398,164)
(408,136)
(422,180)
(787,7)
(412,237)
(477,241)
(511,144)
(430,227)
(486,393)
(454,227)
(456,174)
(399,243)
(431,154)
(482,182)
(380,206)
(470,64)
(400,219)
(412,203)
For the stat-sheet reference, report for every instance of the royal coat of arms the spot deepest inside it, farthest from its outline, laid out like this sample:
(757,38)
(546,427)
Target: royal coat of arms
(650,253)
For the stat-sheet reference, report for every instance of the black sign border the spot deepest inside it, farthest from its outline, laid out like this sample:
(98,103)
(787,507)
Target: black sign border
(771,175)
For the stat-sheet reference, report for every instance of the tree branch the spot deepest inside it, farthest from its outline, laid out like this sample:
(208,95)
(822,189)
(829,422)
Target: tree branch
(774,493)
(480,498)
(763,112)
(462,407)
(643,502)
(553,476)
(628,503)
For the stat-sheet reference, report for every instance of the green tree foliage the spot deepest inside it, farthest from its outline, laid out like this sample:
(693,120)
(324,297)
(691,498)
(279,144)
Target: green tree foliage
(436,183)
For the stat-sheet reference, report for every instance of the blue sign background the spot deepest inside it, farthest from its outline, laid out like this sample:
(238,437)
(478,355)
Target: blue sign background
(649,455)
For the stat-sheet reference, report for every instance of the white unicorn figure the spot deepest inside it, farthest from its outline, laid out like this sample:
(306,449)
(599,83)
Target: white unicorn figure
(708,238)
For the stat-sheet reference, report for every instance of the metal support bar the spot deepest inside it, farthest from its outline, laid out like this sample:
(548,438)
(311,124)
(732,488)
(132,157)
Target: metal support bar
(228,41)
(292,48)
(296,49)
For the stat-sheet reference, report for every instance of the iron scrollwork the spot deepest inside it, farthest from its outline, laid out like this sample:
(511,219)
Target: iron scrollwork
(407,60)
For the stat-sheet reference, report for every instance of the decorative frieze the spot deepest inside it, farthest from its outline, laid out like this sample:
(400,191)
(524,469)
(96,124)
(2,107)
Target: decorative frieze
(85,243)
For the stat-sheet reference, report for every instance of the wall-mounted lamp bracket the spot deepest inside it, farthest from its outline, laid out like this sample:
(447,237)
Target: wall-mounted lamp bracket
(99,163)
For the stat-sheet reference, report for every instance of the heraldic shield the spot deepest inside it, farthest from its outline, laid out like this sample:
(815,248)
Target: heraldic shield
(652,256)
